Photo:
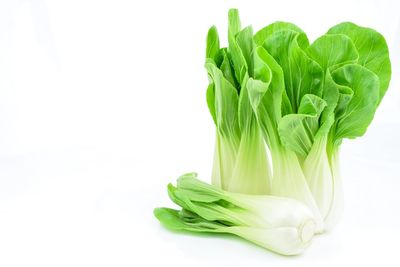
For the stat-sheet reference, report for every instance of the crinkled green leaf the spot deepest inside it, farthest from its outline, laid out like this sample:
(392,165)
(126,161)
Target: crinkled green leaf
(331,95)
(372,49)
(360,110)
(311,105)
(261,35)
(227,69)
(267,94)
(302,74)
(256,90)
(297,131)
(333,50)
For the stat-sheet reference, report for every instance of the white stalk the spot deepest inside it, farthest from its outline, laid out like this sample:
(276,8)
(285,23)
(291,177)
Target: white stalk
(289,181)
(319,176)
(337,204)
(225,154)
(283,225)
(251,174)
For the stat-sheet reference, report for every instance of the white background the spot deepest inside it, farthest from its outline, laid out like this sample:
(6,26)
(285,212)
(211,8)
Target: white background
(102,103)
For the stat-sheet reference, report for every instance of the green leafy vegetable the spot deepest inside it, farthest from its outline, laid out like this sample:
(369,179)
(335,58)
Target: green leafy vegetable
(281,107)
(282,225)
(240,156)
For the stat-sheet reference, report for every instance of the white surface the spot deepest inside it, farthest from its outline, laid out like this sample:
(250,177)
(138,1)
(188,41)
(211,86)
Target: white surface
(103,104)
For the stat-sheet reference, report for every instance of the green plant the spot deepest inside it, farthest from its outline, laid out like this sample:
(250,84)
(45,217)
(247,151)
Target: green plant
(282,107)
(283,225)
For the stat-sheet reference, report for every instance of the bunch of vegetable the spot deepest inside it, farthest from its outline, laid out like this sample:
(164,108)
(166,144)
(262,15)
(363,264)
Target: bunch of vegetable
(281,107)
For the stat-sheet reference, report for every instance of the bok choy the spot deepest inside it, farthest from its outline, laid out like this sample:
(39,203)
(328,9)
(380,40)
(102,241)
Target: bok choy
(281,108)
(283,225)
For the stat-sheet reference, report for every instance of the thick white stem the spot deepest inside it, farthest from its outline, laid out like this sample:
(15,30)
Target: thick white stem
(282,240)
(289,181)
(251,174)
(283,225)
(319,176)
(224,161)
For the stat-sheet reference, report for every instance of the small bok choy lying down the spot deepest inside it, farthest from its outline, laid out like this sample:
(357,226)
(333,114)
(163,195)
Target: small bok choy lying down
(282,225)
(281,107)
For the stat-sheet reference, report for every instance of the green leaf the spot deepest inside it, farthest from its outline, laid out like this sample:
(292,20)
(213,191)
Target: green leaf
(200,191)
(210,94)
(333,50)
(311,105)
(372,49)
(302,74)
(360,109)
(345,95)
(172,219)
(267,94)
(297,131)
(226,102)
(264,33)
(234,23)
(217,210)
(171,193)
(246,114)
(227,69)
(237,57)
(212,47)
(257,90)
(331,96)
(169,218)
(244,40)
